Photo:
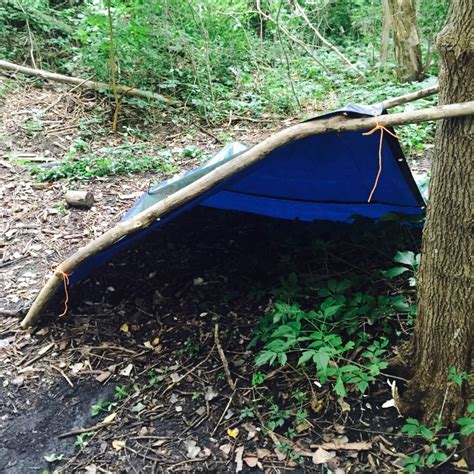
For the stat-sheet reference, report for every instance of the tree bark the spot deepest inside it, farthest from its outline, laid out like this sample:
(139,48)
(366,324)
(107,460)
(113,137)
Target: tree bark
(406,40)
(444,330)
(385,33)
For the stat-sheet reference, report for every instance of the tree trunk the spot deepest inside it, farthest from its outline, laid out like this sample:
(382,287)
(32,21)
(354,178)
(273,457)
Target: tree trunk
(444,330)
(385,33)
(406,40)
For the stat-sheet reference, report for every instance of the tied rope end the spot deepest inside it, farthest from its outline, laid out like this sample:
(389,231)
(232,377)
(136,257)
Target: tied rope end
(379,172)
(65,277)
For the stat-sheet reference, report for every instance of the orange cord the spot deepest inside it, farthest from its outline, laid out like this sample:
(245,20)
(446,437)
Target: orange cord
(66,283)
(382,129)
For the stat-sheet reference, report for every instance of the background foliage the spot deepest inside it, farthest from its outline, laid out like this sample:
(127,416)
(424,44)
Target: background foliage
(218,56)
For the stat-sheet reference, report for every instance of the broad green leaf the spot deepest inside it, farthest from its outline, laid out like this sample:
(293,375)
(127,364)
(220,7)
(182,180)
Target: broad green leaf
(305,357)
(407,258)
(394,272)
(339,387)
(321,359)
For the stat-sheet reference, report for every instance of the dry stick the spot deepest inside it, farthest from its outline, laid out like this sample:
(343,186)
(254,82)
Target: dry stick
(321,37)
(68,380)
(225,364)
(403,99)
(224,412)
(90,85)
(113,69)
(142,220)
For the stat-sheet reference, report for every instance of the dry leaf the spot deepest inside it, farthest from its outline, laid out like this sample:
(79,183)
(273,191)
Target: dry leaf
(280,455)
(124,328)
(225,448)
(233,432)
(210,394)
(461,464)
(251,430)
(103,376)
(127,371)
(174,398)
(239,452)
(322,456)
(303,427)
(192,449)
(316,404)
(118,444)
(251,461)
(343,404)
(109,418)
(91,469)
(263,453)
(148,345)
(155,341)
(175,378)
(389,403)
(77,367)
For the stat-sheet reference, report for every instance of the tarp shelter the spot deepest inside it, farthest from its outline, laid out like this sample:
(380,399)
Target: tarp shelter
(323,177)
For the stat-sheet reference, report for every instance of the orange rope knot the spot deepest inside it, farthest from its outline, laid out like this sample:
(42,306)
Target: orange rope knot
(66,283)
(382,129)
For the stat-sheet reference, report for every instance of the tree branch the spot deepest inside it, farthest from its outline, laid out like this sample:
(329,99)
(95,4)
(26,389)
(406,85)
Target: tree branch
(91,85)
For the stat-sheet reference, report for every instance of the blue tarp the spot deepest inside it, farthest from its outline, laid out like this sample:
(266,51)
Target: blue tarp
(324,177)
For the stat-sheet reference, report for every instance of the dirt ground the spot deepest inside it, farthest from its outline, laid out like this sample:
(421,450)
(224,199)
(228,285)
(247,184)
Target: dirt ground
(150,369)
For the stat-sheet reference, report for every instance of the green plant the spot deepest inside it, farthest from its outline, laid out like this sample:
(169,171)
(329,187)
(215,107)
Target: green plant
(322,338)
(154,377)
(258,378)
(457,377)
(81,439)
(467,422)
(121,392)
(436,452)
(101,406)
(410,262)
(106,162)
(54,457)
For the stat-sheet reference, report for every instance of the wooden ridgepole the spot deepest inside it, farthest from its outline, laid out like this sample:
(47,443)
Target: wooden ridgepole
(196,188)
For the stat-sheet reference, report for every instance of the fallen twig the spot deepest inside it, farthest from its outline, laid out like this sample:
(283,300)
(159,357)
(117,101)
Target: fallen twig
(225,364)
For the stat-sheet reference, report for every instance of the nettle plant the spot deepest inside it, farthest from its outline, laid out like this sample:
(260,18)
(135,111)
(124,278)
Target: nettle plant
(324,338)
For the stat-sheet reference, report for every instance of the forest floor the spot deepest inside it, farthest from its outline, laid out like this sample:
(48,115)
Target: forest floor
(134,378)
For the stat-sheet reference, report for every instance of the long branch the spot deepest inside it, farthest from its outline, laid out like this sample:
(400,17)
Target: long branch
(91,85)
(403,99)
(198,187)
